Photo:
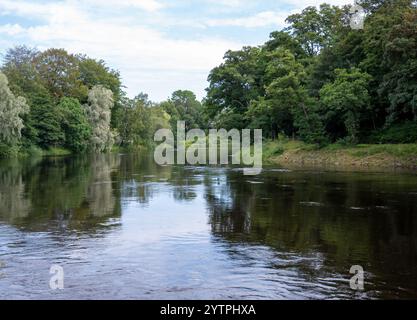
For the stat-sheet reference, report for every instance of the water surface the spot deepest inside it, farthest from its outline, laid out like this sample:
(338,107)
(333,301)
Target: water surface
(124,228)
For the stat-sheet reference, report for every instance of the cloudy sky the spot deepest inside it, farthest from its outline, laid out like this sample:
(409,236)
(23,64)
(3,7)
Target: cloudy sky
(159,46)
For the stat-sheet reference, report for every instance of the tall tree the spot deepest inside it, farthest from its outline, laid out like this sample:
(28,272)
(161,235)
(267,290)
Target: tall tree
(347,98)
(11,110)
(100,103)
(184,106)
(283,92)
(75,125)
(233,85)
(315,29)
(96,72)
(60,74)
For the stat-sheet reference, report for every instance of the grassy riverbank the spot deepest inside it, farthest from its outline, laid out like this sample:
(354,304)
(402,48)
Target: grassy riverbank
(383,156)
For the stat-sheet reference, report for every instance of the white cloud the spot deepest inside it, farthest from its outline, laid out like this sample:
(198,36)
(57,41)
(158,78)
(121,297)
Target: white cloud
(148,60)
(148,5)
(262,19)
(228,3)
(301,4)
(11,29)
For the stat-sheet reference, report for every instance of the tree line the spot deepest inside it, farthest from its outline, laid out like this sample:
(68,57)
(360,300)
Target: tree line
(318,80)
(53,99)
(321,81)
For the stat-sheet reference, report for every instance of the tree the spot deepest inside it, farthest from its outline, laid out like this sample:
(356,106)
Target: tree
(46,119)
(388,45)
(96,72)
(11,110)
(284,40)
(233,85)
(136,122)
(25,81)
(75,125)
(60,74)
(184,106)
(399,84)
(347,97)
(315,29)
(100,103)
(20,71)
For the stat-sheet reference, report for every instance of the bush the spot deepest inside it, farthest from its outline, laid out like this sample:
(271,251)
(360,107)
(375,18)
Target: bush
(8,151)
(402,133)
(272,149)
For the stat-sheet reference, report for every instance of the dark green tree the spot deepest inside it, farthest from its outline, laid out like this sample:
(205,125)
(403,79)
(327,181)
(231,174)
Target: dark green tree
(75,125)
(347,98)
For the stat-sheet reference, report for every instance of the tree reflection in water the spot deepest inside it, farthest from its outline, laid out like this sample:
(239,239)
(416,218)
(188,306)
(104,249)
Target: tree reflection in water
(300,231)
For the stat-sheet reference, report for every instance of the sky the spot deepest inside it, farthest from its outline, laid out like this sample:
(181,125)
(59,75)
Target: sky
(158,46)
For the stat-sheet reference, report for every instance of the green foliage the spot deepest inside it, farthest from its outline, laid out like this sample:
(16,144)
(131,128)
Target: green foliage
(8,150)
(233,85)
(347,97)
(95,72)
(315,29)
(46,120)
(53,82)
(272,149)
(310,127)
(11,109)
(75,125)
(136,119)
(317,80)
(60,74)
(320,80)
(140,119)
(400,133)
(184,106)
(397,150)
(100,103)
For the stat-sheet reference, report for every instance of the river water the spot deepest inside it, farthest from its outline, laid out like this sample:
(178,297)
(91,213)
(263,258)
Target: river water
(122,227)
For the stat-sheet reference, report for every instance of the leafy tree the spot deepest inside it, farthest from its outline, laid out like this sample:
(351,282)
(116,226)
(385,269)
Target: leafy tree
(136,122)
(184,106)
(399,84)
(46,118)
(347,97)
(100,103)
(159,119)
(11,109)
(75,124)
(60,74)
(25,81)
(233,85)
(283,91)
(315,29)
(19,68)
(380,42)
(284,40)
(96,72)
(309,122)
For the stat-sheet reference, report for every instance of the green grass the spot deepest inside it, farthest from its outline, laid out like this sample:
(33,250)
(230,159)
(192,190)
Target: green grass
(273,149)
(397,150)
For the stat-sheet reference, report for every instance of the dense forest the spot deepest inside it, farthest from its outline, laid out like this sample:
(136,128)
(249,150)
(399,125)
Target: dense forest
(318,80)
(322,81)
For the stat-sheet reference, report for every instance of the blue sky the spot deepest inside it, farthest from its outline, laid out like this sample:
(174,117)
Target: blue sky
(159,46)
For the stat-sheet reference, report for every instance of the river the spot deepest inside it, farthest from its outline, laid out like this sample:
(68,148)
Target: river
(122,227)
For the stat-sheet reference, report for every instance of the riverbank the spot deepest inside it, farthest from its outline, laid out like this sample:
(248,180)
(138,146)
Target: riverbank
(362,156)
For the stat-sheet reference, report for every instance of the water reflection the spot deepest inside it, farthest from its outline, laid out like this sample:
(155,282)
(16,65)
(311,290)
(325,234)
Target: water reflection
(124,227)
(59,192)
